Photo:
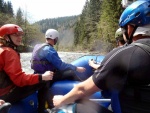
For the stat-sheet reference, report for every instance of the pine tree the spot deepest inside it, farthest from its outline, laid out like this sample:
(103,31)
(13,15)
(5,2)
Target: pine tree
(86,28)
(10,8)
(19,17)
(80,29)
(111,11)
(1,5)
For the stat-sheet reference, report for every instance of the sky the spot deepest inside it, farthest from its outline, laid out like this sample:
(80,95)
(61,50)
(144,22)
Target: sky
(42,9)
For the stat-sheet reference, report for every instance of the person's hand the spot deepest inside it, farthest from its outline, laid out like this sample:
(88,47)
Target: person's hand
(91,62)
(48,75)
(81,69)
(4,107)
(57,101)
(2,102)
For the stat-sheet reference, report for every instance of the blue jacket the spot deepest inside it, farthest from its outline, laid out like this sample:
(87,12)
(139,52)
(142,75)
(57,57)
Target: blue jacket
(48,53)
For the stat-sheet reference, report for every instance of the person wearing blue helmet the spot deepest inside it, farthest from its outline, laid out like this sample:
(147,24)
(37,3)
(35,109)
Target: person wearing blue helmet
(124,71)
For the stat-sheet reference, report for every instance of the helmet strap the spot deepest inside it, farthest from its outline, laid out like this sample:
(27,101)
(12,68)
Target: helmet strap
(55,40)
(11,43)
(129,38)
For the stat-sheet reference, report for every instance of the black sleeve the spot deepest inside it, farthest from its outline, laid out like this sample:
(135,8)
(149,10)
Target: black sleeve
(112,72)
(40,78)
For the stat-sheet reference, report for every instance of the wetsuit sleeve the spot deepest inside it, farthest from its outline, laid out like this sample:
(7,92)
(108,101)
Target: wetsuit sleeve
(111,74)
(52,56)
(12,66)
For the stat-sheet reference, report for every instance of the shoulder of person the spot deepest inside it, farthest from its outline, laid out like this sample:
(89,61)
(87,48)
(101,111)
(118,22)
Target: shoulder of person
(144,40)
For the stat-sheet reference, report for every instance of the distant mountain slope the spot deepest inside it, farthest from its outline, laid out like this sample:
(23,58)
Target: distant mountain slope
(65,25)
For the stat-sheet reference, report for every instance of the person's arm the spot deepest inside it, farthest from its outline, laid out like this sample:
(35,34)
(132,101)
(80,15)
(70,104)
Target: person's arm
(80,69)
(53,57)
(81,90)
(14,70)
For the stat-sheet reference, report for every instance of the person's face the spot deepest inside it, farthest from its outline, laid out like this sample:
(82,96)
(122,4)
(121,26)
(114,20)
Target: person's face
(50,41)
(16,38)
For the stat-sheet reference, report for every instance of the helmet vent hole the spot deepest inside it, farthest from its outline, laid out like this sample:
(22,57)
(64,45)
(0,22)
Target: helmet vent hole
(137,14)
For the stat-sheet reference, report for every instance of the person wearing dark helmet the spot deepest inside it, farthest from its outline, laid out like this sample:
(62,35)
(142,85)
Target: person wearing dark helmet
(45,57)
(119,38)
(14,83)
(124,71)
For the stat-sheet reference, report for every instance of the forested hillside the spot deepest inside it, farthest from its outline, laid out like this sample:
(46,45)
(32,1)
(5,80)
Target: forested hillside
(97,25)
(32,33)
(92,30)
(65,26)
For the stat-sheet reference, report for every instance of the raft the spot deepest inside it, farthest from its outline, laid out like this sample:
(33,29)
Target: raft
(30,103)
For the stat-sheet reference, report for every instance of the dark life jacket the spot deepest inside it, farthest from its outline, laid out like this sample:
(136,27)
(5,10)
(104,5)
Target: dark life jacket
(40,65)
(5,83)
(133,94)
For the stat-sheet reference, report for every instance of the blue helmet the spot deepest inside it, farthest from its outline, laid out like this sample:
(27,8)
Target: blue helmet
(138,14)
